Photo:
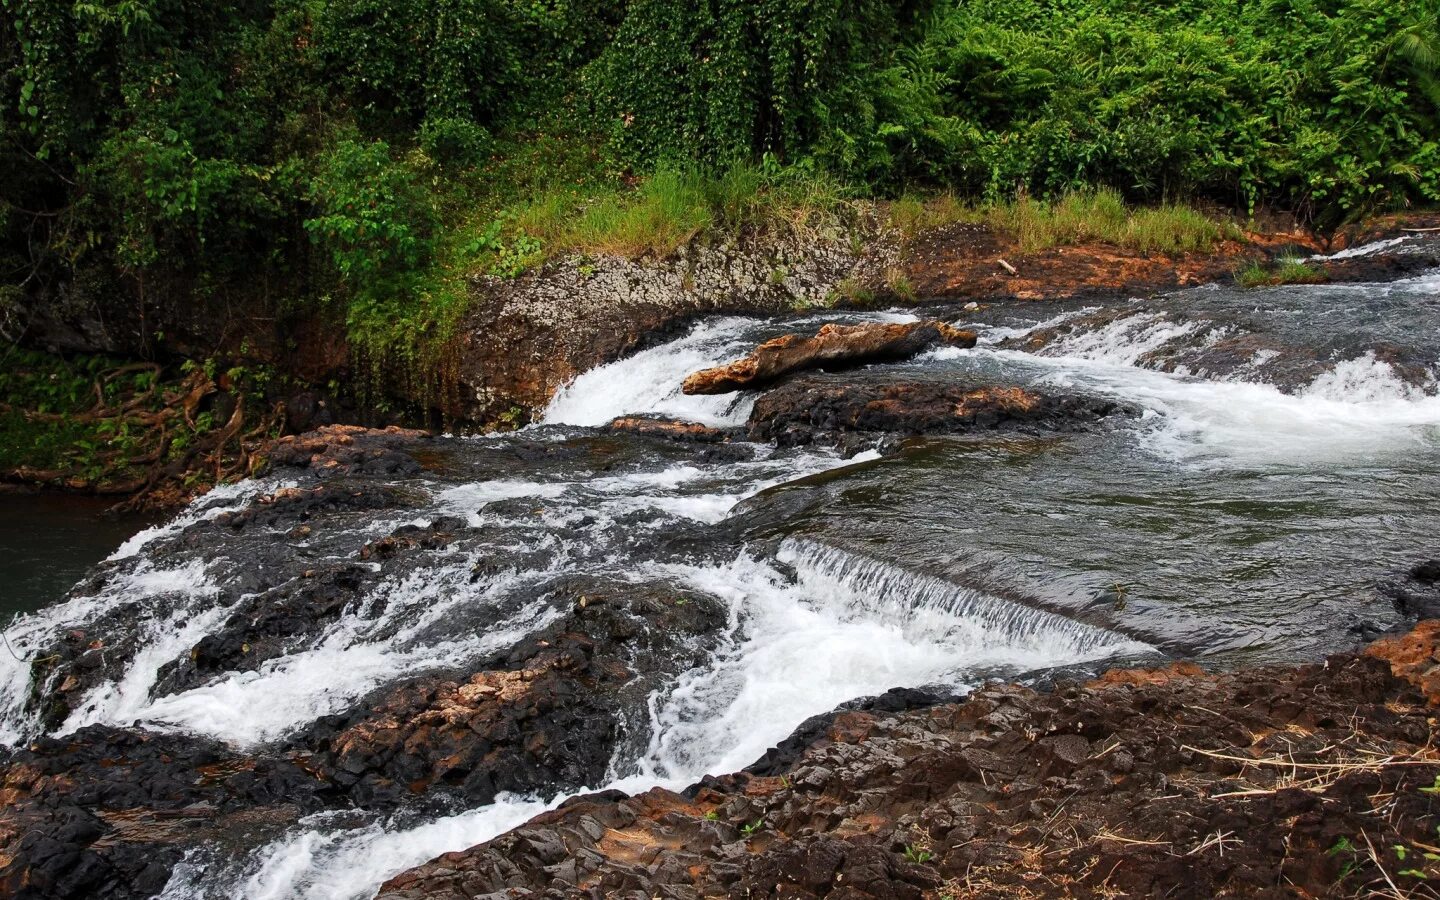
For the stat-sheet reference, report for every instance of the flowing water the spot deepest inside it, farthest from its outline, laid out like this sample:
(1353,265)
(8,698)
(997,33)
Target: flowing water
(1233,520)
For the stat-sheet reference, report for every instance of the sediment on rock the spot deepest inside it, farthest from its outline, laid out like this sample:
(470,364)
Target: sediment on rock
(833,347)
(108,812)
(349,449)
(818,409)
(671,429)
(1142,784)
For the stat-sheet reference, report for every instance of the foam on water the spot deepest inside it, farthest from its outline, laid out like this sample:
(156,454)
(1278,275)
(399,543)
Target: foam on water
(328,861)
(1359,409)
(1362,250)
(219,499)
(1124,342)
(169,607)
(650,381)
(843,626)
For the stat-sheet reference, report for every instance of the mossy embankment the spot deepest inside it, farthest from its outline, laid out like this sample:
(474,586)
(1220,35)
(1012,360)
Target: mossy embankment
(572,279)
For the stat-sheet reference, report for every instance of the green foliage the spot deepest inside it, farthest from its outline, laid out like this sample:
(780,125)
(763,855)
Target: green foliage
(1102,215)
(1284,271)
(918,855)
(373,216)
(731,80)
(1076,217)
(48,421)
(1322,108)
(371,156)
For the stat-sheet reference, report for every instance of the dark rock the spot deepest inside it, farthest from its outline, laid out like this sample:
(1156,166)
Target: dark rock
(1417,592)
(814,409)
(1002,793)
(348,449)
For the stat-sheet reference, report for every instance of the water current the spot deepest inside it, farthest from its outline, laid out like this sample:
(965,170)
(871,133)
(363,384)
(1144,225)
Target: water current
(1235,519)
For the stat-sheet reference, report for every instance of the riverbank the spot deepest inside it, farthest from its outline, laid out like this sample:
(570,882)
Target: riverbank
(155,436)
(396,645)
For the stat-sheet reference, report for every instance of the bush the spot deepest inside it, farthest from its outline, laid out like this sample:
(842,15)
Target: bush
(373,217)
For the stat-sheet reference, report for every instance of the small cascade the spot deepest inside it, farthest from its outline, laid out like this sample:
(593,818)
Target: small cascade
(854,626)
(930,607)
(648,383)
(844,626)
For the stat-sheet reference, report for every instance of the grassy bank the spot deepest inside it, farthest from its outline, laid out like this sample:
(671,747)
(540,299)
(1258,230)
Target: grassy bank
(360,159)
(1076,217)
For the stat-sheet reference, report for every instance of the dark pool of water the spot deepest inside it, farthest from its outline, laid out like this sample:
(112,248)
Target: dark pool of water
(49,541)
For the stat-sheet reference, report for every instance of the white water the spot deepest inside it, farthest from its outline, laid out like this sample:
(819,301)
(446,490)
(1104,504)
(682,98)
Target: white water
(843,626)
(1360,408)
(1362,249)
(650,381)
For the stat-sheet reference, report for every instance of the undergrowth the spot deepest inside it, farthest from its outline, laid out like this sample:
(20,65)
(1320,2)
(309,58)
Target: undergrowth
(1080,216)
(96,423)
(1284,271)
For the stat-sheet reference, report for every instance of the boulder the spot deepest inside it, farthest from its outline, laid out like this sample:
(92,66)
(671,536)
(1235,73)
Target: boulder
(808,410)
(834,346)
(670,429)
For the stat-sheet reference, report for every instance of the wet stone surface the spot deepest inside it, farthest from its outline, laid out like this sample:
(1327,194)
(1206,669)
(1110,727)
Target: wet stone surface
(397,645)
(1126,786)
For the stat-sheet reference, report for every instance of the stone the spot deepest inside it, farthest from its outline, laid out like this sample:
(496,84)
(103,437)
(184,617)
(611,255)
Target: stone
(834,346)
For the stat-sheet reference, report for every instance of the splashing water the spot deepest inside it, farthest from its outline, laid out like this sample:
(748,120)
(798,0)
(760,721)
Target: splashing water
(812,624)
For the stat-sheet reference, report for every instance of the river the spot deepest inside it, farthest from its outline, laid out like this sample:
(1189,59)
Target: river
(1241,516)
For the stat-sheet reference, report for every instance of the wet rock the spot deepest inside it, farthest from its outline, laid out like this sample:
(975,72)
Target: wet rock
(812,409)
(1417,592)
(299,505)
(107,812)
(349,449)
(833,347)
(548,715)
(1414,656)
(671,429)
(524,338)
(267,625)
(1129,784)
(1378,267)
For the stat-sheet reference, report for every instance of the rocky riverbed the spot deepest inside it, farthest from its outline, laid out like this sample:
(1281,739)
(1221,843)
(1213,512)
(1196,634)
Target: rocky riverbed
(1017,599)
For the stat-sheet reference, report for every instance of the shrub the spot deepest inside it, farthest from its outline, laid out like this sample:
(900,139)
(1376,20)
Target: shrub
(372,217)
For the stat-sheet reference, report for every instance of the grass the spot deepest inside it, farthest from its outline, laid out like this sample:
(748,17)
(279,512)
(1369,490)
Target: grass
(1098,216)
(662,213)
(1286,271)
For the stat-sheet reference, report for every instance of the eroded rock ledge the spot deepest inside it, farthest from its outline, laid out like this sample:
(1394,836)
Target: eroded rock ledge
(832,347)
(815,409)
(1142,784)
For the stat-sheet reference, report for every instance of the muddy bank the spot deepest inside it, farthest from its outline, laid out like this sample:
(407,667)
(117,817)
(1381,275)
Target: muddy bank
(1174,782)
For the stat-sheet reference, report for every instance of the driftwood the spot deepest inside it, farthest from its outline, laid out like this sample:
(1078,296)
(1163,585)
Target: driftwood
(834,346)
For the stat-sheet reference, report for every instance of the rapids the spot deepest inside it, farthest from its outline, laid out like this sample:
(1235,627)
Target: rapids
(1242,517)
